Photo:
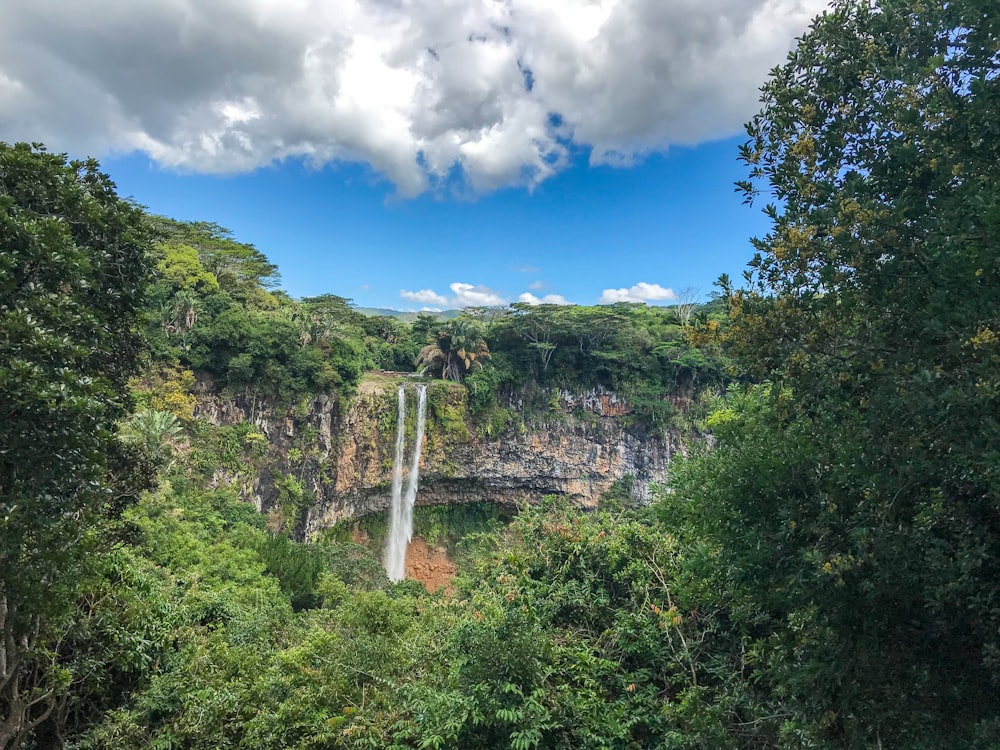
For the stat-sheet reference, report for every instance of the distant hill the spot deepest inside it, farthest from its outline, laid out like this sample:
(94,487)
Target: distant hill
(406,317)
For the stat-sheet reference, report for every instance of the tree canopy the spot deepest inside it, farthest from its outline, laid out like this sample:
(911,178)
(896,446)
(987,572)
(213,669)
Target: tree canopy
(855,501)
(212,308)
(73,271)
(822,572)
(458,347)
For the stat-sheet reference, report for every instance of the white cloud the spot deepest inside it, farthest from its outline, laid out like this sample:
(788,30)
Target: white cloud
(548,299)
(536,286)
(641,292)
(499,89)
(469,295)
(426,296)
(463,295)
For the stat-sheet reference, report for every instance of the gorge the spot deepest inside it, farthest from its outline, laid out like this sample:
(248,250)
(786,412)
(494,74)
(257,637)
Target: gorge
(347,454)
(199,469)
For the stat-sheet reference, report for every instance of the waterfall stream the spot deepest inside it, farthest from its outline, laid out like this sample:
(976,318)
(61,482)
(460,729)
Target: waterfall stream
(394,556)
(401,518)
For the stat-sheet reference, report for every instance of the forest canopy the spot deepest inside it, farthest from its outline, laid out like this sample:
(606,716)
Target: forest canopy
(821,572)
(212,309)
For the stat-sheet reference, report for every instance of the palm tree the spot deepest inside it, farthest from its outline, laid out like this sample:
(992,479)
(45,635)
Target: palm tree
(456,349)
(155,430)
(297,316)
(184,312)
(181,315)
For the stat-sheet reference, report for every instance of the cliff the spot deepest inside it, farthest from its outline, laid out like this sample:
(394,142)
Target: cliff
(336,455)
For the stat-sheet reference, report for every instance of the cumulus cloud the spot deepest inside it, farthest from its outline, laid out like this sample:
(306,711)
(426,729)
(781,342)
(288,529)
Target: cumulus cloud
(424,296)
(497,91)
(469,295)
(548,299)
(641,292)
(462,295)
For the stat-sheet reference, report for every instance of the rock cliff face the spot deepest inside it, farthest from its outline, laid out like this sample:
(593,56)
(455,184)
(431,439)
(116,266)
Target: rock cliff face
(341,451)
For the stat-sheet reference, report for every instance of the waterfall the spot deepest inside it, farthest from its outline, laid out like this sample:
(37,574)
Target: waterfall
(394,557)
(411,481)
(401,520)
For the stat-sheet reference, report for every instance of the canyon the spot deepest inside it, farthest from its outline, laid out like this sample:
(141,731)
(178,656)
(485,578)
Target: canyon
(341,450)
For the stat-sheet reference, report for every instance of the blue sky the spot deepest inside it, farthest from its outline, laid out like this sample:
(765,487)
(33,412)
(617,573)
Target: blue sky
(673,220)
(422,153)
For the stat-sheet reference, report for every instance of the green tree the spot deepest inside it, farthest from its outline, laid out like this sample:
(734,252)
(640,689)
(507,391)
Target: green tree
(73,267)
(862,538)
(182,267)
(155,431)
(424,326)
(539,326)
(237,266)
(458,348)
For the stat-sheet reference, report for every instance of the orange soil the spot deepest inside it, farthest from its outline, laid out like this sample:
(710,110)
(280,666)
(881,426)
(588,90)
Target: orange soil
(432,567)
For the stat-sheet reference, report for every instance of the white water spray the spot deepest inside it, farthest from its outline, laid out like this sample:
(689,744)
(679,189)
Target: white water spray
(394,556)
(401,522)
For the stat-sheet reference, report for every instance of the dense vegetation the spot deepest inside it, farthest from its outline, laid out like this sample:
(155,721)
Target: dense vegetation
(825,576)
(212,309)
(72,274)
(640,352)
(864,538)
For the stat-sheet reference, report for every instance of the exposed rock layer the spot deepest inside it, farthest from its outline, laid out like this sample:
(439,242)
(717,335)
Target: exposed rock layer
(341,451)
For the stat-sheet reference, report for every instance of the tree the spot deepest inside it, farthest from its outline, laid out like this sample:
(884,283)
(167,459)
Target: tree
(182,268)
(73,265)
(687,303)
(155,431)
(459,347)
(238,267)
(330,316)
(424,326)
(539,323)
(866,533)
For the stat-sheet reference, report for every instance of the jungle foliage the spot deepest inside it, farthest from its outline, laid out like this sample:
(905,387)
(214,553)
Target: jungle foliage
(641,352)
(72,275)
(862,541)
(824,576)
(212,309)
(514,361)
